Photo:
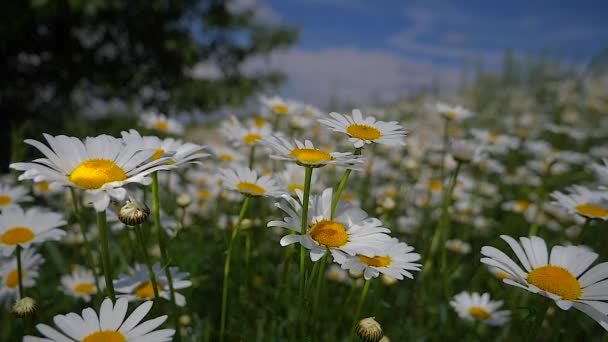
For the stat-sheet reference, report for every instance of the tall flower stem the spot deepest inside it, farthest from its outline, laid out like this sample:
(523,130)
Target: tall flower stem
(235,232)
(361,302)
(320,278)
(537,325)
(336,199)
(446,129)
(445,216)
(144,249)
(19,271)
(83,230)
(251,156)
(102,225)
(304,226)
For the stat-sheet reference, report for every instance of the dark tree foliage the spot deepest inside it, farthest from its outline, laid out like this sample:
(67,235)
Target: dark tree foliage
(113,48)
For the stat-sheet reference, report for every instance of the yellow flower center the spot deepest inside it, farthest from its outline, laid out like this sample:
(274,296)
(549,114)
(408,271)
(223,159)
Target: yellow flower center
(84,288)
(105,336)
(42,186)
(377,261)
(591,210)
(435,185)
(493,137)
(294,187)
(363,132)
(251,188)
(556,280)
(94,173)
(4,200)
(279,108)
(310,155)
(329,233)
(251,138)
(259,122)
(145,290)
(161,125)
(392,193)
(226,157)
(204,194)
(17,235)
(521,205)
(479,313)
(347,197)
(450,115)
(12,280)
(158,153)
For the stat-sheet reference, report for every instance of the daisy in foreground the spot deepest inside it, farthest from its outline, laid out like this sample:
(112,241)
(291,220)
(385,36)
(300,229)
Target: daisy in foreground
(473,307)
(100,165)
(139,285)
(559,275)
(305,154)
(161,123)
(350,231)
(109,326)
(246,181)
(367,130)
(396,260)
(26,228)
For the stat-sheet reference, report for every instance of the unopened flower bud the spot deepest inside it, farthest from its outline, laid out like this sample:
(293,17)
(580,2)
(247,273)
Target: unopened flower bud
(369,330)
(183,200)
(133,213)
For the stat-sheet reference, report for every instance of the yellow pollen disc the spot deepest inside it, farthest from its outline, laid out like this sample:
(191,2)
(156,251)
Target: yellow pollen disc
(251,188)
(280,109)
(435,185)
(4,200)
(591,210)
(363,132)
(84,288)
(42,186)
(347,197)
(226,157)
(17,235)
(310,155)
(493,137)
(161,125)
(392,193)
(556,280)
(450,115)
(12,280)
(105,336)
(294,187)
(251,138)
(158,153)
(522,205)
(259,122)
(145,290)
(329,233)
(94,173)
(204,194)
(377,261)
(479,313)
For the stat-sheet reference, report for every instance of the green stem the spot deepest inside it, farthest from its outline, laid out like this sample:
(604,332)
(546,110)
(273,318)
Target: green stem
(537,325)
(320,278)
(105,253)
(19,271)
(83,230)
(361,302)
(235,232)
(251,156)
(445,216)
(336,199)
(304,226)
(142,243)
(444,148)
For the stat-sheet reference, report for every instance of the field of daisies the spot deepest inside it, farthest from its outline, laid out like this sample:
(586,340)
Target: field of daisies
(425,220)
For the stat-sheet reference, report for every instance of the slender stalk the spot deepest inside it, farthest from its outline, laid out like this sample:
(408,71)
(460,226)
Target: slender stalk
(445,216)
(235,232)
(83,230)
(361,302)
(444,148)
(144,250)
(320,278)
(251,156)
(584,229)
(304,226)
(537,326)
(19,271)
(336,199)
(105,253)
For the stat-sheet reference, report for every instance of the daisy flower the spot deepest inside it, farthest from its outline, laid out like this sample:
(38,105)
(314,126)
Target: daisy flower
(583,202)
(498,143)
(396,260)
(458,246)
(101,165)
(305,154)
(362,131)
(227,155)
(181,153)
(278,105)
(138,286)
(80,283)
(561,275)
(44,188)
(160,122)
(464,151)
(247,182)
(350,231)
(109,325)
(456,113)
(11,196)
(244,135)
(30,264)
(27,228)
(475,307)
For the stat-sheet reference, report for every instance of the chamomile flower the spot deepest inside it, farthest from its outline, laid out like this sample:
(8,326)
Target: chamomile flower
(396,260)
(161,123)
(306,154)
(80,283)
(44,188)
(456,113)
(138,286)
(12,195)
(476,307)
(9,278)
(277,105)
(583,202)
(561,275)
(247,182)
(227,155)
(494,142)
(248,135)
(464,151)
(101,165)
(26,228)
(109,325)
(181,153)
(362,131)
(458,246)
(350,230)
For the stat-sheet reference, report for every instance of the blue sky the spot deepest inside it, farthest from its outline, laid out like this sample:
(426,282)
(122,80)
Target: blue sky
(357,49)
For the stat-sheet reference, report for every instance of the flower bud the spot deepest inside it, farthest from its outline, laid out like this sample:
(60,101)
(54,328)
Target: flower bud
(183,200)
(369,330)
(24,306)
(133,213)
